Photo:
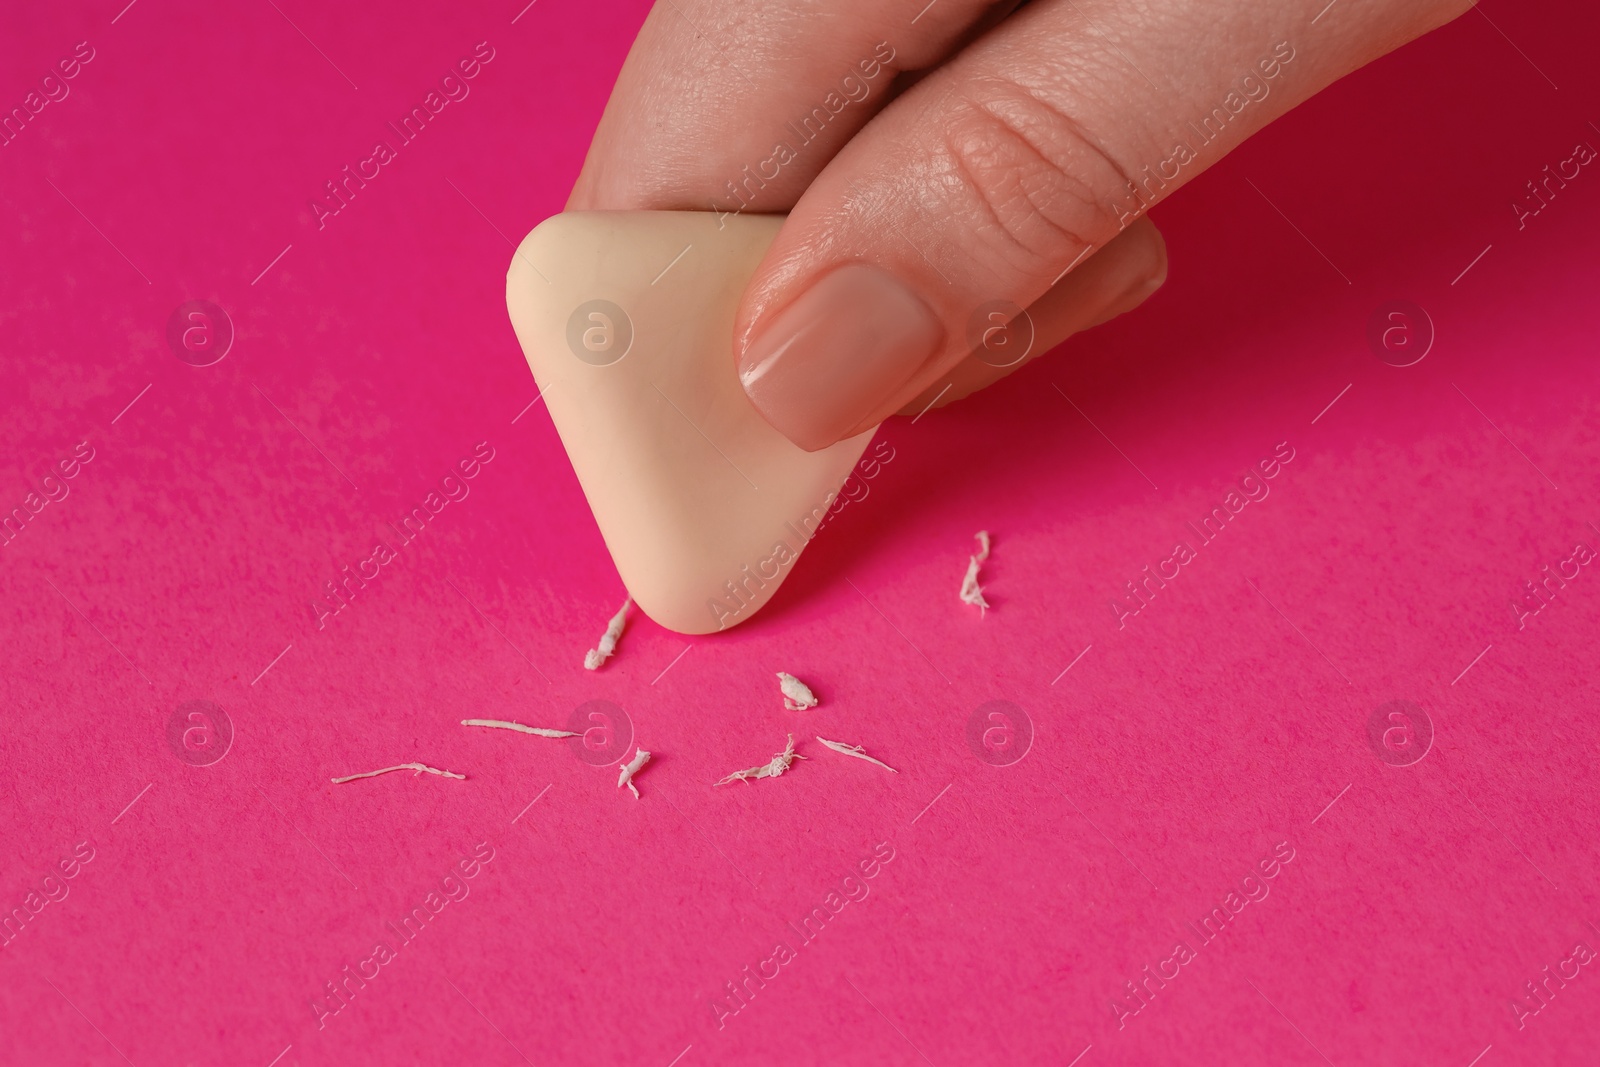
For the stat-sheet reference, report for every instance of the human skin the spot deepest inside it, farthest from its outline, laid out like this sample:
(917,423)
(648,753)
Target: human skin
(993,152)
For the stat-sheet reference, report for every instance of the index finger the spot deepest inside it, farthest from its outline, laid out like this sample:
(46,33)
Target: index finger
(733,108)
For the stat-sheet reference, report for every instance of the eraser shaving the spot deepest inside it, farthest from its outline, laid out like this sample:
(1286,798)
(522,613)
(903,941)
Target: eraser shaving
(971,591)
(608,640)
(416,768)
(797,696)
(778,764)
(857,751)
(501,724)
(631,768)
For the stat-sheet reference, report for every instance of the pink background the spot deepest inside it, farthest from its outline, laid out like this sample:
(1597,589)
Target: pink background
(1174,754)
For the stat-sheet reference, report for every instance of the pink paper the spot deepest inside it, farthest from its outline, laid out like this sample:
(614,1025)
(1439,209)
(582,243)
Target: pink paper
(1241,722)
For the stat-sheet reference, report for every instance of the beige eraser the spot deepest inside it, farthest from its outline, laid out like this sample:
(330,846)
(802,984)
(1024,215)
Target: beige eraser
(626,318)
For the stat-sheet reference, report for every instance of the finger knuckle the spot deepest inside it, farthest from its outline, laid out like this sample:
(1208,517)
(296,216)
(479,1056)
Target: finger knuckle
(1037,175)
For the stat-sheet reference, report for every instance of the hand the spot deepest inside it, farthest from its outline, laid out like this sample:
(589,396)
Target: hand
(938,160)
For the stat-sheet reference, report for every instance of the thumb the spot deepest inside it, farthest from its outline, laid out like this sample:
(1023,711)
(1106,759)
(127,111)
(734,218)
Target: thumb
(1114,281)
(992,178)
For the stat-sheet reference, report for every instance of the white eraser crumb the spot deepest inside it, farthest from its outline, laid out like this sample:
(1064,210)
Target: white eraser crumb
(857,751)
(631,768)
(608,640)
(797,696)
(776,766)
(971,591)
(501,724)
(416,768)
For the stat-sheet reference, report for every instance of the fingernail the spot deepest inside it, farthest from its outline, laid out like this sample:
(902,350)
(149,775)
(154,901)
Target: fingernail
(1131,297)
(1144,279)
(829,360)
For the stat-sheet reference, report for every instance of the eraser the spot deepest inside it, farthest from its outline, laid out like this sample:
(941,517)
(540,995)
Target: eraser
(626,319)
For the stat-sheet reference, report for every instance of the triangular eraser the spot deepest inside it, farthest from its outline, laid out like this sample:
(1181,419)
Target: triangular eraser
(626,318)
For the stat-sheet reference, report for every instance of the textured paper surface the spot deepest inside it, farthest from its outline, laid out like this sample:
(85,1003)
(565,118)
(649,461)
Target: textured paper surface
(373,356)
